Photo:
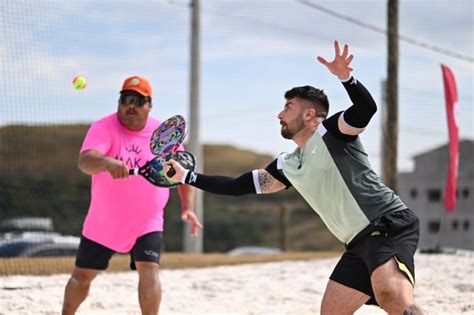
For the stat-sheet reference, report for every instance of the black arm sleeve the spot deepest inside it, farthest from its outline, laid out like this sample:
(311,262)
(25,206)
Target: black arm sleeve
(278,174)
(331,125)
(359,114)
(222,185)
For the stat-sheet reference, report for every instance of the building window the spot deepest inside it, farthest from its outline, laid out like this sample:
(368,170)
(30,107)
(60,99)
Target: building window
(465,225)
(434,195)
(455,224)
(433,227)
(465,193)
(413,193)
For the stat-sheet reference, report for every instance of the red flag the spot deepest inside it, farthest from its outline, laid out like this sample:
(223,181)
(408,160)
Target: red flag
(451,96)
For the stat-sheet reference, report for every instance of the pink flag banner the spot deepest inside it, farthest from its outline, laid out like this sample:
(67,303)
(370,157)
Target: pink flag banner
(451,97)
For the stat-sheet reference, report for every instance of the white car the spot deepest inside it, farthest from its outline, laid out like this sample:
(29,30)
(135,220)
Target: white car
(254,250)
(37,244)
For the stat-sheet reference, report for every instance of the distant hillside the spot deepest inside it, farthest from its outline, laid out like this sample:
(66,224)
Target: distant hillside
(41,151)
(39,177)
(231,161)
(51,151)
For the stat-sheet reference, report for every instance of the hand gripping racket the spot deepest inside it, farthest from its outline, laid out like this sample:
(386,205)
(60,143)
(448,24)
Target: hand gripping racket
(164,142)
(153,171)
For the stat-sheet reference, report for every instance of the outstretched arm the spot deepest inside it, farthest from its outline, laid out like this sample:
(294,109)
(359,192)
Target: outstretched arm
(354,120)
(255,182)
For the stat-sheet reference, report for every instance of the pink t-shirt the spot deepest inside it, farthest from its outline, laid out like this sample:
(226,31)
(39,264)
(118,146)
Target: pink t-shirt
(121,210)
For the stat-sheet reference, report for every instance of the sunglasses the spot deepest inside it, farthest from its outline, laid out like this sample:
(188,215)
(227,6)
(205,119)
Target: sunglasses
(135,99)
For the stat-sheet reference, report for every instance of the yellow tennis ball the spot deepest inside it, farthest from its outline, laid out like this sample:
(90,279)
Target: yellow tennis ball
(79,82)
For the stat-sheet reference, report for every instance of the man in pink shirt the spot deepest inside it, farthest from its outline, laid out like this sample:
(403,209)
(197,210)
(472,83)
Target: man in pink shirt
(125,213)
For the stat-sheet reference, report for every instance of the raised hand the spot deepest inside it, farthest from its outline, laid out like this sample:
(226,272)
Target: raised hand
(340,65)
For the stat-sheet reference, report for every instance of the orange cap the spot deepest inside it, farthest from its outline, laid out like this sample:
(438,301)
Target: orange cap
(137,84)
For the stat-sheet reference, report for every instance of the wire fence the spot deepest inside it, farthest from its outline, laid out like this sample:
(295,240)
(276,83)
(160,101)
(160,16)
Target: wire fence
(251,53)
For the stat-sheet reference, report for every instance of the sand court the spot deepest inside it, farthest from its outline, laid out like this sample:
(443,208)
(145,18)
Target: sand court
(445,285)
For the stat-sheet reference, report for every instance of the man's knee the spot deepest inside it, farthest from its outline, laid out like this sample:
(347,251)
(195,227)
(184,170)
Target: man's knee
(392,288)
(148,271)
(395,301)
(83,277)
(385,296)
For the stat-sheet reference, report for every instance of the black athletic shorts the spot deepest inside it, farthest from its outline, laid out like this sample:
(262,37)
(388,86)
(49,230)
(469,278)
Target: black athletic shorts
(395,234)
(93,255)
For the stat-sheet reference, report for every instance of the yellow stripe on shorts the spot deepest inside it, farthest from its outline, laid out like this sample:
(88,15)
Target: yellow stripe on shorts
(404,268)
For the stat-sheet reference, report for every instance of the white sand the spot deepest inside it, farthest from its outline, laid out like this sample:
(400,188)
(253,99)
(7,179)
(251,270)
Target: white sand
(445,285)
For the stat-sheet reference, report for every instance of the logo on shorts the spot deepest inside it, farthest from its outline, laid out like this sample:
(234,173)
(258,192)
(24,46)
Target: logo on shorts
(375,233)
(151,253)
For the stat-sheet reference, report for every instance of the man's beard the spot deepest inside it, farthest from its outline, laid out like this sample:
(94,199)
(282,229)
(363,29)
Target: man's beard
(292,128)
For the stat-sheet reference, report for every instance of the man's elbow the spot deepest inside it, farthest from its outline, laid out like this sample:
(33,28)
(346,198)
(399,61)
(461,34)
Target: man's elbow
(87,162)
(372,106)
(81,163)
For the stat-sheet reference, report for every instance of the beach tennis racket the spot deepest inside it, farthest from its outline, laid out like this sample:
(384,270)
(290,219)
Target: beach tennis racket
(154,172)
(166,139)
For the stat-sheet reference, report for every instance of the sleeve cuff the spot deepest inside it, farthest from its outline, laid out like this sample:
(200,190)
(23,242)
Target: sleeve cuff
(185,175)
(256,182)
(347,79)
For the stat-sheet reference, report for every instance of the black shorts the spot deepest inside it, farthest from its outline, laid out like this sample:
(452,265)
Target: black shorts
(93,255)
(395,234)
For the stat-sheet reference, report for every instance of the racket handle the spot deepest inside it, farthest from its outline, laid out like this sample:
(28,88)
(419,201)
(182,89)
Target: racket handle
(171,172)
(133,171)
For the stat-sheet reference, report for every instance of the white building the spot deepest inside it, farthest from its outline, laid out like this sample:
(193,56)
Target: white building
(423,192)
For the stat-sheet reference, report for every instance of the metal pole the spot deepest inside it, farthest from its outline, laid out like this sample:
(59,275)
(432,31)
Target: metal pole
(391,143)
(195,244)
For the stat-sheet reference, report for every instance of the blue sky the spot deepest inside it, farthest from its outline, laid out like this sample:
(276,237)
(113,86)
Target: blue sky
(252,52)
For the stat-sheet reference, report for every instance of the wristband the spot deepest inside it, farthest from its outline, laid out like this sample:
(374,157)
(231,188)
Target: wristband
(347,79)
(183,179)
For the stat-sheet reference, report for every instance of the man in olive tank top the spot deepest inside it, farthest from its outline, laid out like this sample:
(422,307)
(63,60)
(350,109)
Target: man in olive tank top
(331,171)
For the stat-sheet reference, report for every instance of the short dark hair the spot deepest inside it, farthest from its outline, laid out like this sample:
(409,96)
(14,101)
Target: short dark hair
(315,96)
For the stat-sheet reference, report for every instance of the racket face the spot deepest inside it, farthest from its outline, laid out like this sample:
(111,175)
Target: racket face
(186,160)
(156,172)
(166,139)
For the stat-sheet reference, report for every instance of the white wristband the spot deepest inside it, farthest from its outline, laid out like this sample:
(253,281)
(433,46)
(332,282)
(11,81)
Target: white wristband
(183,179)
(348,78)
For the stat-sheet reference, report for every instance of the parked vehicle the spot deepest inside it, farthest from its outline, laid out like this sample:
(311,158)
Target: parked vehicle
(254,250)
(34,237)
(39,245)
(26,224)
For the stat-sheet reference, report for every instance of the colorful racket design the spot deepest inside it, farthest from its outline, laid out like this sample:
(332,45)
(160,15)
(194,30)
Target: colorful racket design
(166,139)
(153,171)
(164,143)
